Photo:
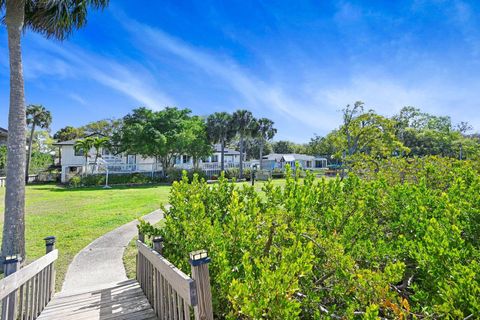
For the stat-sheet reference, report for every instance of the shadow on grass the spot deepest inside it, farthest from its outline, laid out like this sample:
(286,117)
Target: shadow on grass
(62,188)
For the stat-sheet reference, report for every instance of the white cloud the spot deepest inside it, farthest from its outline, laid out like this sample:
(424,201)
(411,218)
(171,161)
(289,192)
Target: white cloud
(258,94)
(128,78)
(76,97)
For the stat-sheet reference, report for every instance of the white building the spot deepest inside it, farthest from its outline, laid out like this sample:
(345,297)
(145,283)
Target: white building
(73,162)
(279,160)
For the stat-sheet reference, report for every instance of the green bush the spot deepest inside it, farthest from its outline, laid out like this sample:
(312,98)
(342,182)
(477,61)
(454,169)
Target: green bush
(278,173)
(113,179)
(75,182)
(387,245)
(174,174)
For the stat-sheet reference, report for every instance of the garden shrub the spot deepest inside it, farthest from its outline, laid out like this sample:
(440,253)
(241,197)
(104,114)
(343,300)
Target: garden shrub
(174,174)
(75,182)
(130,178)
(386,245)
(278,173)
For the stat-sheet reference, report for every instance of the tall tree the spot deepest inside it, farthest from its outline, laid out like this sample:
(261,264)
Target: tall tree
(37,116)
(153,133)
(69,133)
(265,132)
(219,130)
(54,19)
(243,122)
(195,140)
(84,146)
(13,241)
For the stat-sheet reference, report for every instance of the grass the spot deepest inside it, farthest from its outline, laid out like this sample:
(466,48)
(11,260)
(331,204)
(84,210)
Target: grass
(79,216)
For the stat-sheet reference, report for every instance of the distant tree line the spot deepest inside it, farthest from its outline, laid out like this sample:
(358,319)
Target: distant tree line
(409,133)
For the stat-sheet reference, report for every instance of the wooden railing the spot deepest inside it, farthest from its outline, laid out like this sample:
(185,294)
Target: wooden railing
(171,292)
(25,292)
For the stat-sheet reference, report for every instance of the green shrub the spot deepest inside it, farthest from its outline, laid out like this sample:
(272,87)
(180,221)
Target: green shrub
(174,174)
(387,245)
(278,173)
(231,173)
(75,181)
(113,179)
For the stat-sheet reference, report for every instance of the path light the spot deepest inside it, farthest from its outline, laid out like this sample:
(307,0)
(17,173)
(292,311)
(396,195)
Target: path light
(253,173)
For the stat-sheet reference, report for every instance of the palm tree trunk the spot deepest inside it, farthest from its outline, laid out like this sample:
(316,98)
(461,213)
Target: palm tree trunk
(241,158)
(13,241)
(222,155)
(261,154)
(29,158)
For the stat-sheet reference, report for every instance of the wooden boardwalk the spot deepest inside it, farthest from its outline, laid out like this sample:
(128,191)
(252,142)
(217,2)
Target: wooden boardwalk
(121,301)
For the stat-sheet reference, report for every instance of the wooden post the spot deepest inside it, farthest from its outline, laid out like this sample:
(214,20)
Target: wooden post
(158,244)
(199,261)
(9,307)
(49,247)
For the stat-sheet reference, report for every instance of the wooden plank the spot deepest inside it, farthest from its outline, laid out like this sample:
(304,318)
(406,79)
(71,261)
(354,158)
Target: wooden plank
(186,310)
(15,280)
(27,299)
(180,282)
(21,304)
(109,303)
(162,296)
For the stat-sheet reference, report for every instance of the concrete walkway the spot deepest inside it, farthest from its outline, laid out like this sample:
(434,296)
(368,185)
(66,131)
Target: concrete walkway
(101,263)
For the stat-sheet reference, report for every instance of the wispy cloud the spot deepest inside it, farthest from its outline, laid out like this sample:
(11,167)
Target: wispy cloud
(126,77)
(76,97)
(257,93)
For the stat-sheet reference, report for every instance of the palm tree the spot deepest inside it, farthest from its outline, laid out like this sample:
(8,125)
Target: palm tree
(37,116)
(265,132)
(54,19)
(243,121)
(84,146)
(98,144)
(219,130)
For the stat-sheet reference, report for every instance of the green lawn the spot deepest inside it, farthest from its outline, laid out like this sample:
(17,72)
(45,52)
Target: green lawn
(79,216)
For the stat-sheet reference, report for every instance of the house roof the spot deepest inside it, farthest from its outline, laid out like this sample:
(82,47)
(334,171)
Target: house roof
(3,131)
(228,151)
(65,143)
(288,157)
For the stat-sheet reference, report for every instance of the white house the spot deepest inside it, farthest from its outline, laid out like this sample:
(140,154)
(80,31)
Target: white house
(73,162)
(3,136)
(279,160)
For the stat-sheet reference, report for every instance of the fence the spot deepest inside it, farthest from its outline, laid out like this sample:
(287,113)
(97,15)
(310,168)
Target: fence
(24,293)
(171,292)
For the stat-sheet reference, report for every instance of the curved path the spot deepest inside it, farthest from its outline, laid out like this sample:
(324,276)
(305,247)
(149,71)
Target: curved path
(100,263)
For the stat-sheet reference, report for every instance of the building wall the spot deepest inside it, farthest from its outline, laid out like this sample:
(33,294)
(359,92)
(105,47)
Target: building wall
(70,159)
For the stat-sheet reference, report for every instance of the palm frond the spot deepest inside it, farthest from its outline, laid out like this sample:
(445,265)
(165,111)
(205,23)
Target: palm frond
(59,18)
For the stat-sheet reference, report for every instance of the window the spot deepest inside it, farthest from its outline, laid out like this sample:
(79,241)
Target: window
(79,153)
(309,164)
(215,158)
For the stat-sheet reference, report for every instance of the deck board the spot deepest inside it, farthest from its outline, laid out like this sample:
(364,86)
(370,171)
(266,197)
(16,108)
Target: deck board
(124,300)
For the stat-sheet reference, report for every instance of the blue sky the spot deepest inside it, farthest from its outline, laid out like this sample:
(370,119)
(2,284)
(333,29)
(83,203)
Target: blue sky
(296,62)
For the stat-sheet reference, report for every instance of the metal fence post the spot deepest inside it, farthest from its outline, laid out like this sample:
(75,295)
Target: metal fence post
(49,244)
(199,261)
